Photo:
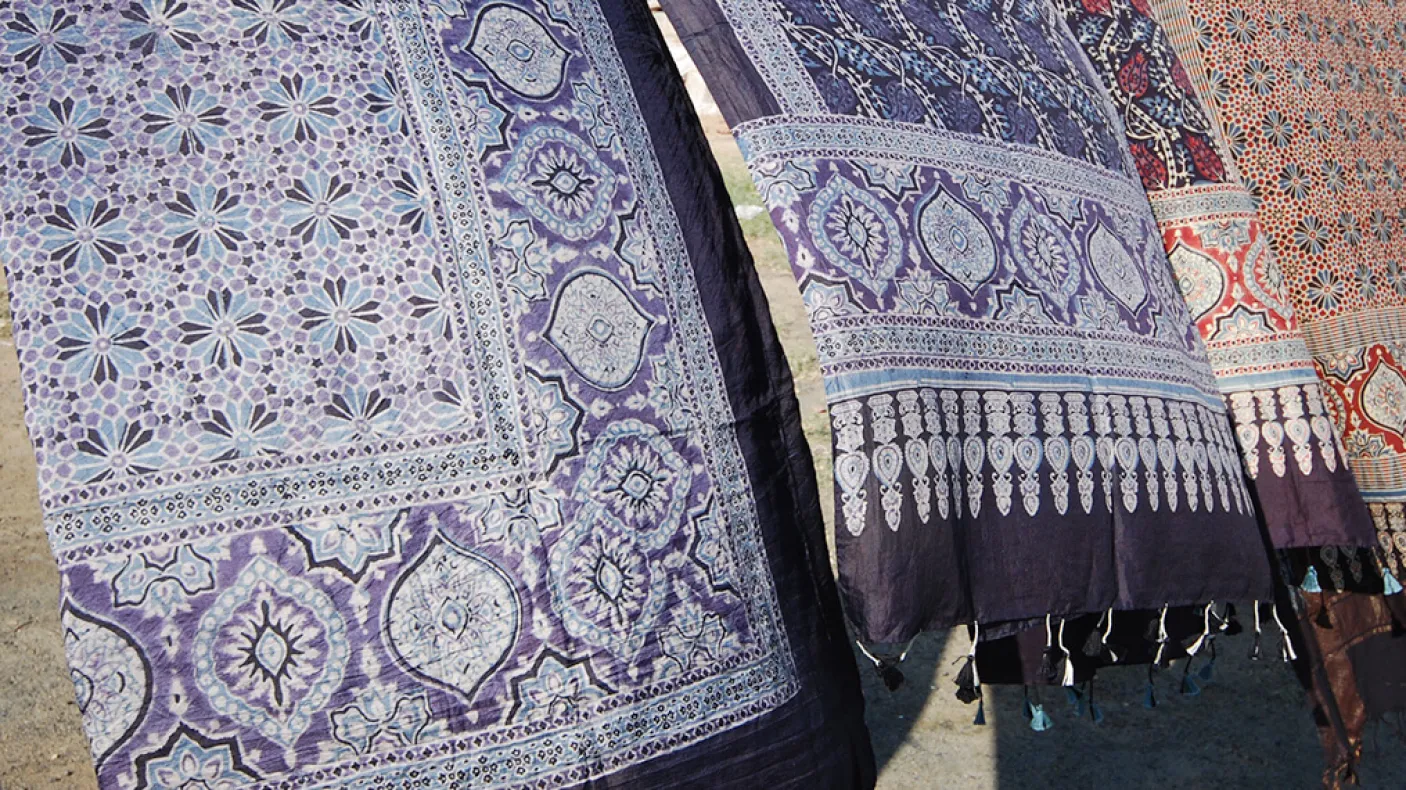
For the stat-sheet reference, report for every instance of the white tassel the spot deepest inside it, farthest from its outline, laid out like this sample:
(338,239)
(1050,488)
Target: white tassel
(1068,660)
(1108,629)
(1289,654)
(1205,631)
(971,654)
(1161,636)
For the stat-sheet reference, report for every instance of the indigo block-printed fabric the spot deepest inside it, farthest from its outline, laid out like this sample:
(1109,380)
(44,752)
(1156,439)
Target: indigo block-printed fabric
(1024,419)
(383,434)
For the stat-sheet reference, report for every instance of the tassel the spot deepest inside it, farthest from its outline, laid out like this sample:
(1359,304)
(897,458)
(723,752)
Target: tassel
(1068,676)
(968,679)
(1076,701)
(1188,684)
(1195,647)
(1047,659)
(1389,583)
(1093,645)
(1109,654)
(1162,638)
(1095,712)
(1207,673)
(980,719)
(1255,648)
(1149,701)
(1310,581)
(1230,624)
(1286,646)
(887,670)
(1039,719)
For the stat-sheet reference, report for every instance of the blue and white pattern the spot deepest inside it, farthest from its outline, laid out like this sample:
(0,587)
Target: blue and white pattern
(381,431)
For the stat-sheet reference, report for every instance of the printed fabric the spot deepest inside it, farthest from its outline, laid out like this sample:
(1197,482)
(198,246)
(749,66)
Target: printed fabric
(1325,188)
(1309,99)
(1226,269)
(1024,420)
(383,431)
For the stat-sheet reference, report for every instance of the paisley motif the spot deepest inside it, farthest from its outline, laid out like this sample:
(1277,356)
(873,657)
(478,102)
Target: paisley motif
(956,240)
(453,616)
(1384,398)
(1199,277)
(1116,269)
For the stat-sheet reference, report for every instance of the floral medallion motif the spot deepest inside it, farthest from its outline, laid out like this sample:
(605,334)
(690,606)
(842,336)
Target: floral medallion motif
(519,51)
(111,680)
(1042,249)
(599,328)
(604,587)
(453,617)
(271,651)
(633,472)
(854,231)
(561,182)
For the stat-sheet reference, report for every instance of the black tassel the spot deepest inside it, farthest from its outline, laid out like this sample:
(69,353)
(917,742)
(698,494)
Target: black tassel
(1255,649)
(892,675)
(1095,712)
(1232,623)
(1093,646)
(980,713)
(1049,669)
(967,690)
(1150,700)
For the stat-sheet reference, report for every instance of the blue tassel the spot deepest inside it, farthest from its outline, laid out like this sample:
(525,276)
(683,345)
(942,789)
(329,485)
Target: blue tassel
(1389,583)
(1189,687)
(980,713)
(1207,673)
(1310,581)
(1149,701)
(1096,712)
(1039,720)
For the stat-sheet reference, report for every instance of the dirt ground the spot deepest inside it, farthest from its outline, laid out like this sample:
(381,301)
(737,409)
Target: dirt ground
(1250,729)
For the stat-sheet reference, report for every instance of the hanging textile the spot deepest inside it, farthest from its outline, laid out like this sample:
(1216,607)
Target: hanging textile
(1309,98)
(1226,269)
(1349,648)
(1024,421)
(402,415)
